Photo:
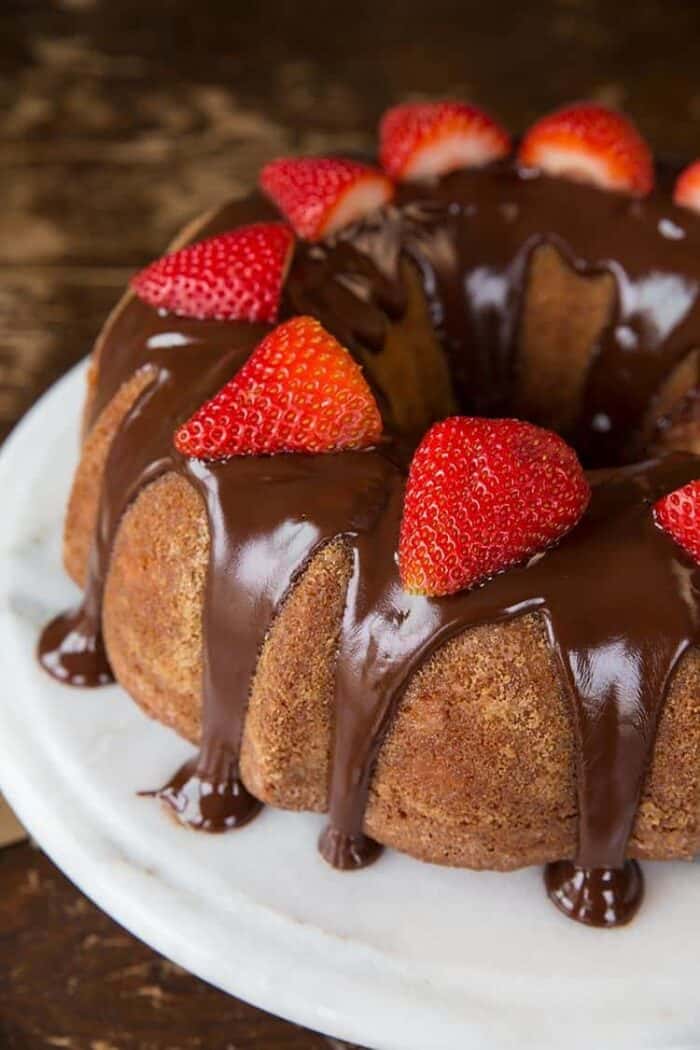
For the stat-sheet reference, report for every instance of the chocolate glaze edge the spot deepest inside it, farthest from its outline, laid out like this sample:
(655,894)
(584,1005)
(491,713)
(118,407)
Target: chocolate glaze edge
(459,232)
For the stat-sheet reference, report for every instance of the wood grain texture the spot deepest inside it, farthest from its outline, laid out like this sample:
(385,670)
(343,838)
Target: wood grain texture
(71,978)
(119,119)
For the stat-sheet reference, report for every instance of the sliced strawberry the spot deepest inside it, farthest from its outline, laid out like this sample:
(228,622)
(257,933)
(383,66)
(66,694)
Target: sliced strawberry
(483,495)
(687,188)
(300,391)
(237,276)
(589,143)
(422,139)
(319,195)
(678,514)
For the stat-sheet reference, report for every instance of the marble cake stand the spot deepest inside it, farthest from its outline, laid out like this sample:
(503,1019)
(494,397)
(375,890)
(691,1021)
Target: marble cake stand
(402,956)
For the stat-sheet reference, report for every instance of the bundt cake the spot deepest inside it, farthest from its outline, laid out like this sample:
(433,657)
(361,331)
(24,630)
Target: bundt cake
(332,528)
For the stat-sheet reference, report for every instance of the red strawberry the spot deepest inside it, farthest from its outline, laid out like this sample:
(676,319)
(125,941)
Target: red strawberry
(431,138)
(237,276)
(589,143)
(319,195)
(482,495)
(678,514)
(300,391)
(687,189)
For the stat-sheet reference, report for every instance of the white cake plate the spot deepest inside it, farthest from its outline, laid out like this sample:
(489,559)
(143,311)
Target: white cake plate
(401,956)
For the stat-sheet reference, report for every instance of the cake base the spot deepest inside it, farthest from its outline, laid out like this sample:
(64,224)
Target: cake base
(399,956)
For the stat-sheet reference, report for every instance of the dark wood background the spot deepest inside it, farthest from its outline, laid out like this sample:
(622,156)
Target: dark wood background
(119,119)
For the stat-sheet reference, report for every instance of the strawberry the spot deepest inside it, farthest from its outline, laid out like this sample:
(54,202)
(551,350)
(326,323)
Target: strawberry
(237,276)
(687,189)
(589,143)
(421,139)
(678,514)
(483,495)
(319,195)
(299,391)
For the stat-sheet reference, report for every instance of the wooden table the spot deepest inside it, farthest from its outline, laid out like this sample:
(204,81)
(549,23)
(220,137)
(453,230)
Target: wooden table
(119,119)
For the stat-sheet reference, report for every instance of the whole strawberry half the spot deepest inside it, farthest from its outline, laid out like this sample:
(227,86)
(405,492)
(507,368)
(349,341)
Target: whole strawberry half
(483,495)
(678,514)
(319,195)
(423,139)
(590,143)
(687,188)
(299,391)
(237,276)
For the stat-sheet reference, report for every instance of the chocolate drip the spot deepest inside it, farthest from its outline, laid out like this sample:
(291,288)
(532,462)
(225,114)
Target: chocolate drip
(258,548)
(471,237)
(72,648)
(209,797)
(595,896)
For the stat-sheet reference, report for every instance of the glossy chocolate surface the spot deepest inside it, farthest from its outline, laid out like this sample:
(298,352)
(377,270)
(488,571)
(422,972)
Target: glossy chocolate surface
(471,237)
(595,896)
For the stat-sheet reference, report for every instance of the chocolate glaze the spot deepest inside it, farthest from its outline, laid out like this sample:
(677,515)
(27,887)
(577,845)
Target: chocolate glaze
(595,896)
(209,798)
(471,236)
